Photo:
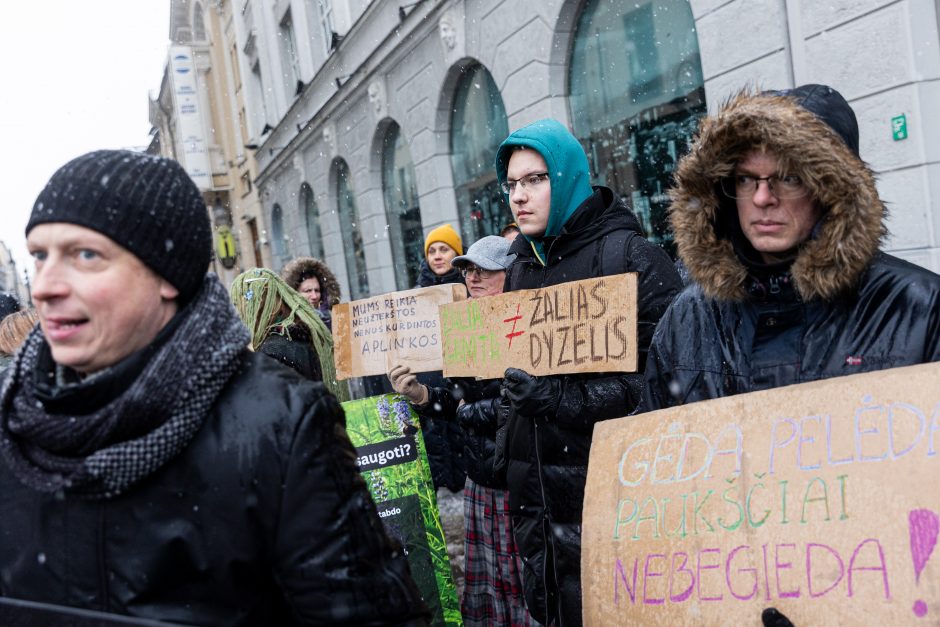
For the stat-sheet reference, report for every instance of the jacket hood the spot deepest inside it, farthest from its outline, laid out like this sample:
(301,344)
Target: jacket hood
(302,268)
(565,160)
(823,156)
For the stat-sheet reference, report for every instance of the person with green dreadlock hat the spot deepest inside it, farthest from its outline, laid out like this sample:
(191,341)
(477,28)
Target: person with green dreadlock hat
(284,326)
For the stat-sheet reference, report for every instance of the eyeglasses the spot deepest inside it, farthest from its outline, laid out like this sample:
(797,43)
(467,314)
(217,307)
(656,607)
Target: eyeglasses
(529,180)
(480,272)
(782,186)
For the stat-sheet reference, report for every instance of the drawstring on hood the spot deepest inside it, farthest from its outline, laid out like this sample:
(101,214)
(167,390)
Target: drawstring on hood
(568,171)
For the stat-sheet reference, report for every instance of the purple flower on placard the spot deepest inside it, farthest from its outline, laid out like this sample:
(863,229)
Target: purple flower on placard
(403,414)
(377,487)
(385,414)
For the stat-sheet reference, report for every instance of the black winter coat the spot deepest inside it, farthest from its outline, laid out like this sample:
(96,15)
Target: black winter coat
(295,351)
(547,455)
(291,537)
(443,439)
(478,425)
(710,349)
(838,307)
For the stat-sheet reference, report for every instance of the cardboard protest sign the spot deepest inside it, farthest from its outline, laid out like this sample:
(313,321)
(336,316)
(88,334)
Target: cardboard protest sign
(581,326)
(372,334)
(393,461)
(820,499)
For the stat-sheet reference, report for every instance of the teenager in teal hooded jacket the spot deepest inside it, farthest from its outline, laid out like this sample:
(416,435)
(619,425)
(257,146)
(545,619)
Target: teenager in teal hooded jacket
(570,231)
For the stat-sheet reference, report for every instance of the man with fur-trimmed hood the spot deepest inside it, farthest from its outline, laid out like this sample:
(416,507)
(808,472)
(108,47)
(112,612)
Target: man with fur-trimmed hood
(778,222)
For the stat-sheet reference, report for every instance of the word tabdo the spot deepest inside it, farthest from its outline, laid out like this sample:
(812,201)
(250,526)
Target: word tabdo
(818,491)
(582,326)
(395,328)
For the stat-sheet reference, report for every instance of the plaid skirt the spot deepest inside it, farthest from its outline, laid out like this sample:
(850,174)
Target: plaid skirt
(493,574)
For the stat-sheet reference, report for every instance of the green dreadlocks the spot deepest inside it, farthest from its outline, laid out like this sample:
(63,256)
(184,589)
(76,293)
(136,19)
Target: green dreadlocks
(258,295)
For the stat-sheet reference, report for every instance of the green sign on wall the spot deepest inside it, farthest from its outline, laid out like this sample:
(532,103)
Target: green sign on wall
(393,461)
(899,127)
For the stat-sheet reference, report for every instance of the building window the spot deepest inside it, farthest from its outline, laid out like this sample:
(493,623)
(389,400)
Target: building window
(258,106)
(351,230)
(478,127)
(636,94)
(246,183)
(290,61)
(311,213)
(401,208)
(199,24)
(278,239)
(325,14)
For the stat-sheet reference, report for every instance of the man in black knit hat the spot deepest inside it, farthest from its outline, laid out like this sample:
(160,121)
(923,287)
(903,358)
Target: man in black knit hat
(152,465)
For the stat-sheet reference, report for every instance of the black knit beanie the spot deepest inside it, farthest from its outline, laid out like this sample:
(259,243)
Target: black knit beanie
(147,204)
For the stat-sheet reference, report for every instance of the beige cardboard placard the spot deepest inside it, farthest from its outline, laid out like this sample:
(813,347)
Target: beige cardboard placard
(372,334)
(581,326)
(820,499)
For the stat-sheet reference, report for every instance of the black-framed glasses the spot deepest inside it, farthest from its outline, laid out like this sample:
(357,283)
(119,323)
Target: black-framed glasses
(782,186)
(529,180)
(480,272)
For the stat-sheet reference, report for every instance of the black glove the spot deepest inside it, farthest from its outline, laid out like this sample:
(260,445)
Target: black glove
(772,618)
(531,396)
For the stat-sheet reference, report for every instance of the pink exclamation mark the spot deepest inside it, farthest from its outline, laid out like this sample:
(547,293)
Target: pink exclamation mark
(924,525)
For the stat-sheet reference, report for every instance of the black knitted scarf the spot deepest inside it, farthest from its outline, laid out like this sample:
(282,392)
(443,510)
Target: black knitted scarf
(100,453)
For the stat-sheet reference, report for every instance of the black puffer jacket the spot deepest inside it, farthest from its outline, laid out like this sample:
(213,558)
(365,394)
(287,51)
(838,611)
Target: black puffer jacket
(479,419)
(292,348)
(840,307)
(548,454)
(442,438)
(292,537)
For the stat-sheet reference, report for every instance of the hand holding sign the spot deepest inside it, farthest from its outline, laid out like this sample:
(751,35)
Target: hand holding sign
(406,383)
(531,396)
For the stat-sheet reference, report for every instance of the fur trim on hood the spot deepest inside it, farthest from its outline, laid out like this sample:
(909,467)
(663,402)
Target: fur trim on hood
(852,226)
(302,268)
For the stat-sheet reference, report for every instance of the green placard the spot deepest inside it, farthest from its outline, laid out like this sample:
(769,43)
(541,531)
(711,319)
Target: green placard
(899,127)
(393,460)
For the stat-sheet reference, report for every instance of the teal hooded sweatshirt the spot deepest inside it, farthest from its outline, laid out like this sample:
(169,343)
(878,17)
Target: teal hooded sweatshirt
(568,171)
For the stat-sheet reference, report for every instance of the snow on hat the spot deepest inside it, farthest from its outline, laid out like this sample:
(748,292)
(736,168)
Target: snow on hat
(147,204)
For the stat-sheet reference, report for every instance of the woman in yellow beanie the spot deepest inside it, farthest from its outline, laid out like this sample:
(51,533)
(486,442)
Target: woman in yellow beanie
(444,440)
(440,247)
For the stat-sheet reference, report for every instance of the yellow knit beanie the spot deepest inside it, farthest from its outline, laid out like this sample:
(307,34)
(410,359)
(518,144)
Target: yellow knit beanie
(446,234)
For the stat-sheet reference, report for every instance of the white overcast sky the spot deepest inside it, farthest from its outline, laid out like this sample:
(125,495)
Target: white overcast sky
(75,76)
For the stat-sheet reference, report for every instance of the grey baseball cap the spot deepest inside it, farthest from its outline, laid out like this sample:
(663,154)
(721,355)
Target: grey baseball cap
(490,253)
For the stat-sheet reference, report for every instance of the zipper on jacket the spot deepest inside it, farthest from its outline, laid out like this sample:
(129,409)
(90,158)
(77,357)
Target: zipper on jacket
(543,522)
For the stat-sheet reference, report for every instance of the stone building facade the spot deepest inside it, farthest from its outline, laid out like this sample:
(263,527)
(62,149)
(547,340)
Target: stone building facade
(205,34)
(386,116)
